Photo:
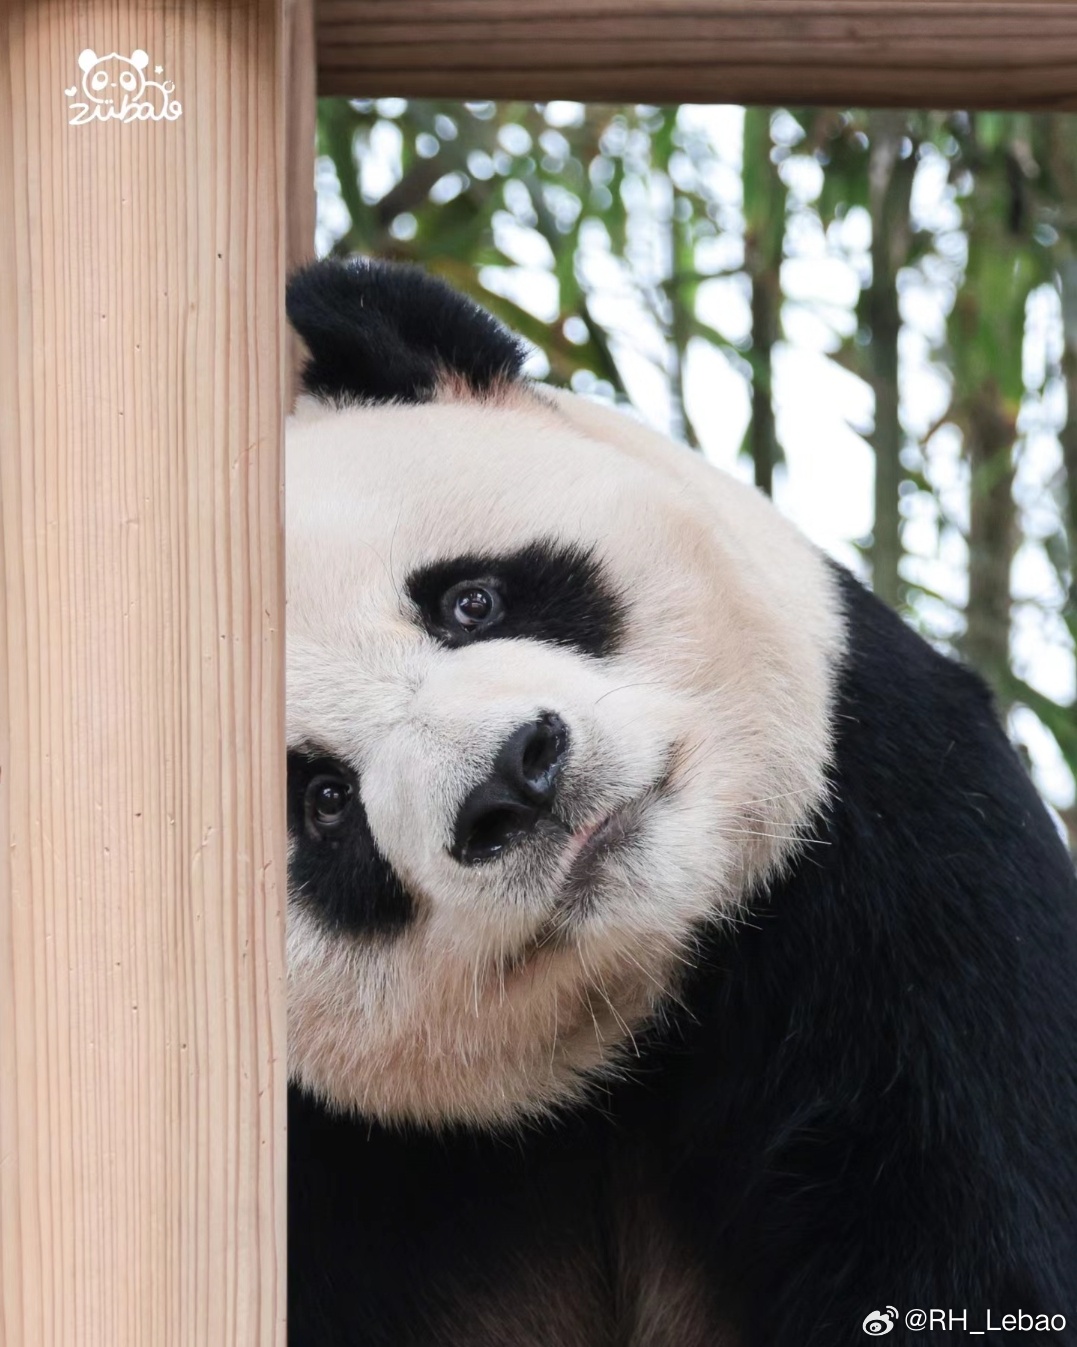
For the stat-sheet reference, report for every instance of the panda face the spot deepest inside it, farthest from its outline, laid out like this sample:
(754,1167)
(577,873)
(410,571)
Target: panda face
(557,697)
(113,78)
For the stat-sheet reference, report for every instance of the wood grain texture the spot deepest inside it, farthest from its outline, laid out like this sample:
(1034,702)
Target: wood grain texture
(879,53)
(301,111)
(142,1035)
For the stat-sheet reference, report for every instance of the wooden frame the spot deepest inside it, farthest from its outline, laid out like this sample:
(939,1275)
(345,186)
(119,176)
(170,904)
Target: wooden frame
(142,1037)
(850,53)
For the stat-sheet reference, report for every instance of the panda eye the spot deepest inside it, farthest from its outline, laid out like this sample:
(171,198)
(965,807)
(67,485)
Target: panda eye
(326,804)
(100,79)
(472,607)
(127,80)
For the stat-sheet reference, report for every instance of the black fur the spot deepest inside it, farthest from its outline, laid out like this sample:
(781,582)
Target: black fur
(551,592)
(383,333)
(873,1101)
(344,880)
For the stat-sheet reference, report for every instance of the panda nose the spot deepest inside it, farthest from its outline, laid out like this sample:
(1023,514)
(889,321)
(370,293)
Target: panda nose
(518,792)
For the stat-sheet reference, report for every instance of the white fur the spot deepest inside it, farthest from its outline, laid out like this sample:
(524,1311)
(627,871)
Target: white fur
(478,1011)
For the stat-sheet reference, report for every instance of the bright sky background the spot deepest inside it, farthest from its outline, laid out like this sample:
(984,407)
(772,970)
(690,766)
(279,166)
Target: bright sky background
(822,410)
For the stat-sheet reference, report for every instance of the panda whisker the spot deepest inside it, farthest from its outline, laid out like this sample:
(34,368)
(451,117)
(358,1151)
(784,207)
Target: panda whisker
(596,978)
(625,687)
(664,991)
(591,978)
(501,962)
(684,959)
(553,929)
(777,837)
(475,969)
(736,917)
(385,565)
(781,795)
(594,1020)
(617,1018)
(392,540)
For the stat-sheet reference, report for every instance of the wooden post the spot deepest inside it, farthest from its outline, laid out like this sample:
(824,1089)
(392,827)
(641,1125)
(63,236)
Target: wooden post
(301,111)
(142,1036)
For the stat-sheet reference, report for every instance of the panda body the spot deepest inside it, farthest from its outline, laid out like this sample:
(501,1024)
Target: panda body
(678,952)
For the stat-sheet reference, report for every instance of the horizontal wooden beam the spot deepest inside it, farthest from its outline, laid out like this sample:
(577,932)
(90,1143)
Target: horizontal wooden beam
(854,53)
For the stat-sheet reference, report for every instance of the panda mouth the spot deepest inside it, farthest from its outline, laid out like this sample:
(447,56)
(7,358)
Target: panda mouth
(586,852)
(588,848)
(591,845)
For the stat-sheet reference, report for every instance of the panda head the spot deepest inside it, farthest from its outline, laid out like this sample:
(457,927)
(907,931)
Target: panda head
(557,698)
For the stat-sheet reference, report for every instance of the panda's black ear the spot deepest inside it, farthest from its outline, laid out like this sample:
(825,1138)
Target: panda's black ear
(386,332)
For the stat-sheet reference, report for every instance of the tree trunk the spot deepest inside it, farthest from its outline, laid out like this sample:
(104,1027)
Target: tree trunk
(681,292)
(766,329)
(989,442)
(764,246)
(890,190)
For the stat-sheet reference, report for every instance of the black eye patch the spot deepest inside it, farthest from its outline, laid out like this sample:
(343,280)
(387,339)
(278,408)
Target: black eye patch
(546,591)
(337,872)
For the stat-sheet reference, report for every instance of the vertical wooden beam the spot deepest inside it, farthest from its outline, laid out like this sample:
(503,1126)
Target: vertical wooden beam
(301,109)
(301,102)
(142,1037)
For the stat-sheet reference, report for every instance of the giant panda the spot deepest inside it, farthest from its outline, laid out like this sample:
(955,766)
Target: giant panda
(678,953)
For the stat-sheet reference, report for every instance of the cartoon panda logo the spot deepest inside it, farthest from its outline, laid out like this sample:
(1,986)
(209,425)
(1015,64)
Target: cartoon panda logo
(116,88)
(111,78)
(880,1322)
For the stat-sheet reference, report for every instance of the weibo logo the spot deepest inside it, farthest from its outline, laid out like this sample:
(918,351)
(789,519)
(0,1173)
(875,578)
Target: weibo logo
(115,88)
(879,1323)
